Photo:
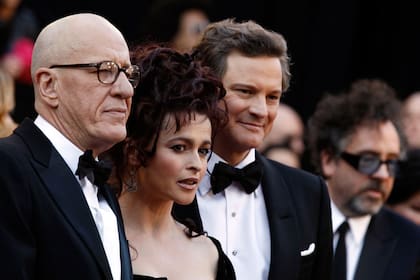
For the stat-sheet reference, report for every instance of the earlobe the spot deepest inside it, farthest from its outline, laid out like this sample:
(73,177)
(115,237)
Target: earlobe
(46,81)
(328,164)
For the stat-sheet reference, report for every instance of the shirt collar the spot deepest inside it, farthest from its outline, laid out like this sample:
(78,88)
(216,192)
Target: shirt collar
(68,151)
(205,186)
(358,225)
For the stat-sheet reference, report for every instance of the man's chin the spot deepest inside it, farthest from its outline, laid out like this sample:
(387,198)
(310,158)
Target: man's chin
(113,134)
(364,206)
(254,142)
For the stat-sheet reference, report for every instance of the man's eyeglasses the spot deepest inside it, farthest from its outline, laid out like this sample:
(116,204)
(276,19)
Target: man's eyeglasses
(108,71)
(369,164)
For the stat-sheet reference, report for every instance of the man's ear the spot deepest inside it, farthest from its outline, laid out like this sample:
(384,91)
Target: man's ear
(328,163)
(47,86)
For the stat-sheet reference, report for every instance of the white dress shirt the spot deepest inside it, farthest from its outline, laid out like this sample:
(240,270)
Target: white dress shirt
(239,221)
(104,217)
(354,238)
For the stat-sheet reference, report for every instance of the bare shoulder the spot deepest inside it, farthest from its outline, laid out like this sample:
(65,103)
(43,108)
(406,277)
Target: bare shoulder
(204,254)
(200,246)
(206,245)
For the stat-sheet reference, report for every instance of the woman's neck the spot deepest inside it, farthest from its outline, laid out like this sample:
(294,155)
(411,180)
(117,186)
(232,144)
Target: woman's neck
(144,216)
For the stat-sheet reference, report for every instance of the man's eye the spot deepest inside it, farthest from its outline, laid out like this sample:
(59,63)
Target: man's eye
(274,97)
(243,90)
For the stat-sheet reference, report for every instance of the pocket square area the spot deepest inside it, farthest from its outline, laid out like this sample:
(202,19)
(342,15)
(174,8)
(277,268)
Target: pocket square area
(308,251)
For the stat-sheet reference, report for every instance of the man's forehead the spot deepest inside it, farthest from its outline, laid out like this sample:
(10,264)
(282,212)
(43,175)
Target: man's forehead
(376,136)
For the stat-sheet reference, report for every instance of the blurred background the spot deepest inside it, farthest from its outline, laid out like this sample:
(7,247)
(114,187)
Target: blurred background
(331,43)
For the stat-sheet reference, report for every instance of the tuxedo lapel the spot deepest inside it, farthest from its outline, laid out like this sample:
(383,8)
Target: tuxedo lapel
(380,243)
(126,272)
(283,229)
(64,189)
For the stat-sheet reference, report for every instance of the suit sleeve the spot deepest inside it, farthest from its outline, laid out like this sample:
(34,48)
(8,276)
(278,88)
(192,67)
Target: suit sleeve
(17,242)
(323,261)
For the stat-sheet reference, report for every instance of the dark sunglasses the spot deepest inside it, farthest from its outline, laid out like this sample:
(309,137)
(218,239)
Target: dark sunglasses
(369,164)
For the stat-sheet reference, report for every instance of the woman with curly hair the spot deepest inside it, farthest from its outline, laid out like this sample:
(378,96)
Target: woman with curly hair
(175,113)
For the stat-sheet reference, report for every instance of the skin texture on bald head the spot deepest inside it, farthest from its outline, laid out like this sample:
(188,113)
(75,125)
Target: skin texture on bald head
(90,113)
(59,40)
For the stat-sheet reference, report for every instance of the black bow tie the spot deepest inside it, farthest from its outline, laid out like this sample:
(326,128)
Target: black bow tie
(223,174)
(88,165)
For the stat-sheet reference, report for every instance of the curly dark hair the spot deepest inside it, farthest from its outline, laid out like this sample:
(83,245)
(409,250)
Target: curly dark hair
(367,102)
(171,84)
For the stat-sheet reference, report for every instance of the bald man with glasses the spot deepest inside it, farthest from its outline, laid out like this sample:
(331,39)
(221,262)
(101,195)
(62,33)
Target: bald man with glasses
(58,218)
(356,142)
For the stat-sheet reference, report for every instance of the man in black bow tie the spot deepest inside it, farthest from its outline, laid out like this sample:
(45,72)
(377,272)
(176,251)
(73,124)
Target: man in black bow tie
(54,224)
(272,221)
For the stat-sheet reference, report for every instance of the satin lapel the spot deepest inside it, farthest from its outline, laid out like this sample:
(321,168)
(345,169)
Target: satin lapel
(64,189)
(378,247)
(283,230)
(126,271)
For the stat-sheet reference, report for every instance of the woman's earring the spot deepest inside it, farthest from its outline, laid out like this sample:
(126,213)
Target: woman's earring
(132,182)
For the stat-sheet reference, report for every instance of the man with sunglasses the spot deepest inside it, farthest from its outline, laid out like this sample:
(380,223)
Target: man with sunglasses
(356,143)
(58,220)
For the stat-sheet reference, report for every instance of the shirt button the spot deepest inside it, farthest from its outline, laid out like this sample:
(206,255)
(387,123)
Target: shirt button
(233,214)
(234,252)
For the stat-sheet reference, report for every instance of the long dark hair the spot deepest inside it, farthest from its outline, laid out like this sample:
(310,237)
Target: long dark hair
(171,83)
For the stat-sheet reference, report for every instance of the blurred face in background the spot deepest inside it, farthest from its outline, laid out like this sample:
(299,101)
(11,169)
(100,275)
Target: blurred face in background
(283,155)
(411,120)
(191,26)
(409,208)
(288,130)
(8,9)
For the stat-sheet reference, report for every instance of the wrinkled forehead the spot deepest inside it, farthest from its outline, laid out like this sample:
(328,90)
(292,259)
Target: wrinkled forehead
(96,44)
(99,48)
(82,39)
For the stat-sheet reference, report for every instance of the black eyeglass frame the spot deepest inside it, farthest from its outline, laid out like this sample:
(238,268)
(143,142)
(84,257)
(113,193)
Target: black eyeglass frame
(134,82)
(392,165)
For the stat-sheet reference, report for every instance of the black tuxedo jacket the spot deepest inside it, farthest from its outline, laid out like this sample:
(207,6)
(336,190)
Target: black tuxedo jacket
(298,209)
(46,228)
(391,249)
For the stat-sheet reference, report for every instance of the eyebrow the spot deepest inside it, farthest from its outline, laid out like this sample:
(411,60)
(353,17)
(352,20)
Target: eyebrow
(188,140)
(375,153)
(249,86)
